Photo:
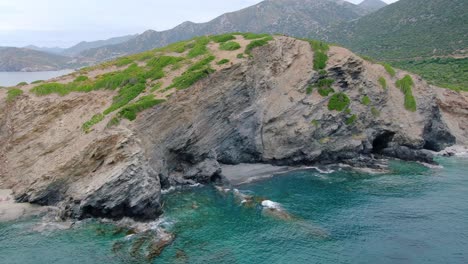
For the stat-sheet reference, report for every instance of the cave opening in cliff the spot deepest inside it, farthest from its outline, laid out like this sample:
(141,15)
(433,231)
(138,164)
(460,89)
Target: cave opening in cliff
(381,141)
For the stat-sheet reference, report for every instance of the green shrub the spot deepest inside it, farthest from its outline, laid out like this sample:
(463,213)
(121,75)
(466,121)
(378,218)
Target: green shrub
(309,89)
(222,38)
(256,43)
(223,61)
(351,120)
(50,88)
(319,46)
(156,86)
(22,84)
(230,45)
(389,69)
(338,102)
(405,85)
(320,60)
(163,61)
(123,61)
(202,64)
(320,54)
(199,47)
(144,56)
(315,122)
(188,78)
(178,47)
(13,93)
(322,72)
(132,75)
(115,121)
(38,81)
(383,83)
(81,78)
(130,111)
(254,35)
(94,120)
(240,55)
(325,91)
(324,87)
(366,100)
(125,95)
(375,112)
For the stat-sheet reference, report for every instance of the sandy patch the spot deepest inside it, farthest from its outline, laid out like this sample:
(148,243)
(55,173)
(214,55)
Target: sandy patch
(9,210)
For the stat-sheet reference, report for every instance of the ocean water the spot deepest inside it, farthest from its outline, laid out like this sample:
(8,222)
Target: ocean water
(13,78)
(412,215)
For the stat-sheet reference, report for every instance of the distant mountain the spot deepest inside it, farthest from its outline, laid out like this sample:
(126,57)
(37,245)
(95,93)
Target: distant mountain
(82,46)
(408,29)
(53,50)
(21,59)
(299,18)
(372,5)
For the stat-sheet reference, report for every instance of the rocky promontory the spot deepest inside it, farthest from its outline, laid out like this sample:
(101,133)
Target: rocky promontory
(273,104)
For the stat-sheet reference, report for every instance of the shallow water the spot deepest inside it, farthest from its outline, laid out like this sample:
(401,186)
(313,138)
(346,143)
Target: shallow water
(412,215)
(13,78)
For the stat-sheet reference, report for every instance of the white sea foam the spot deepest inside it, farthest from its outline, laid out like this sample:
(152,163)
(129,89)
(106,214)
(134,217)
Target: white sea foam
(271,205)
(320,170)
(169,190)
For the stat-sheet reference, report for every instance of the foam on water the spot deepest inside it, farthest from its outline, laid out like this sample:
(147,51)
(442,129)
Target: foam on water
(413,214)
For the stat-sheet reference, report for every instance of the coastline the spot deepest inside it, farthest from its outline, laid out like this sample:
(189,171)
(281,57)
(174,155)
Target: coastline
(10,210)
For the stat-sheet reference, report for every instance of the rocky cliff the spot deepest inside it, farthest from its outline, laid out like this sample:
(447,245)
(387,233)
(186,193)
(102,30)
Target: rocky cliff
(271,108)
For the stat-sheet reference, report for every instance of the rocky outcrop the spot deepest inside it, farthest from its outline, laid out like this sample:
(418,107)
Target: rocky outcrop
(256,111)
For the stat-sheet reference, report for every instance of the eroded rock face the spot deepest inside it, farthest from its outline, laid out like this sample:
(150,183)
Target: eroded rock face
(255,111)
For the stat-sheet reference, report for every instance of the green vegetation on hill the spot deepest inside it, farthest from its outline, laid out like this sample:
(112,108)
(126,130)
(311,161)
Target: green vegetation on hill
(405,86)
(13,93)
(408,29)
(254,35)
(383,82)
(389,69)
(223,38)
(231,45)
(366,100)
(338,102)
(223,61)
(130,111)
(324,87)
(320,54)
(199,47)
(93,121)
(257,43)
(444,72)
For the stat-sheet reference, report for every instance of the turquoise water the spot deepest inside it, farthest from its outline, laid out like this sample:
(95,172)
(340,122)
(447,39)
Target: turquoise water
(412,215)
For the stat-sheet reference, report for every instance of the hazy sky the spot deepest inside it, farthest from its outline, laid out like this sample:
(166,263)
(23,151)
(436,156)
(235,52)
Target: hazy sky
(66,22)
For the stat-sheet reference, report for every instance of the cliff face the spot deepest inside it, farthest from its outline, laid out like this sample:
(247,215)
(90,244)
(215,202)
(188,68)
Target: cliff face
(257,110)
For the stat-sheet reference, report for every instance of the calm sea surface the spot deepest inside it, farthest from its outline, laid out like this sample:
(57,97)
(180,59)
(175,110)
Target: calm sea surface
(13,78)
(412,215)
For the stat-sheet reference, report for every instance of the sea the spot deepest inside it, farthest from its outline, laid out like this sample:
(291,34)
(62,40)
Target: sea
(13,78)
(412,214)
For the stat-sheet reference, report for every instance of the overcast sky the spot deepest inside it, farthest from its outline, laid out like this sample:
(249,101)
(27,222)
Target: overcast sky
(66,22)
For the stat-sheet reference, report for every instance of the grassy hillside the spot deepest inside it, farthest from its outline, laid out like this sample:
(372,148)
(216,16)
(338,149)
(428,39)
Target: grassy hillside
(445,72)
(408,29)
(138,82)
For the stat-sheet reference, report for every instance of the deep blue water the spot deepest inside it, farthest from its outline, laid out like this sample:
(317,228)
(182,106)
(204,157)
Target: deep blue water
(412,215)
